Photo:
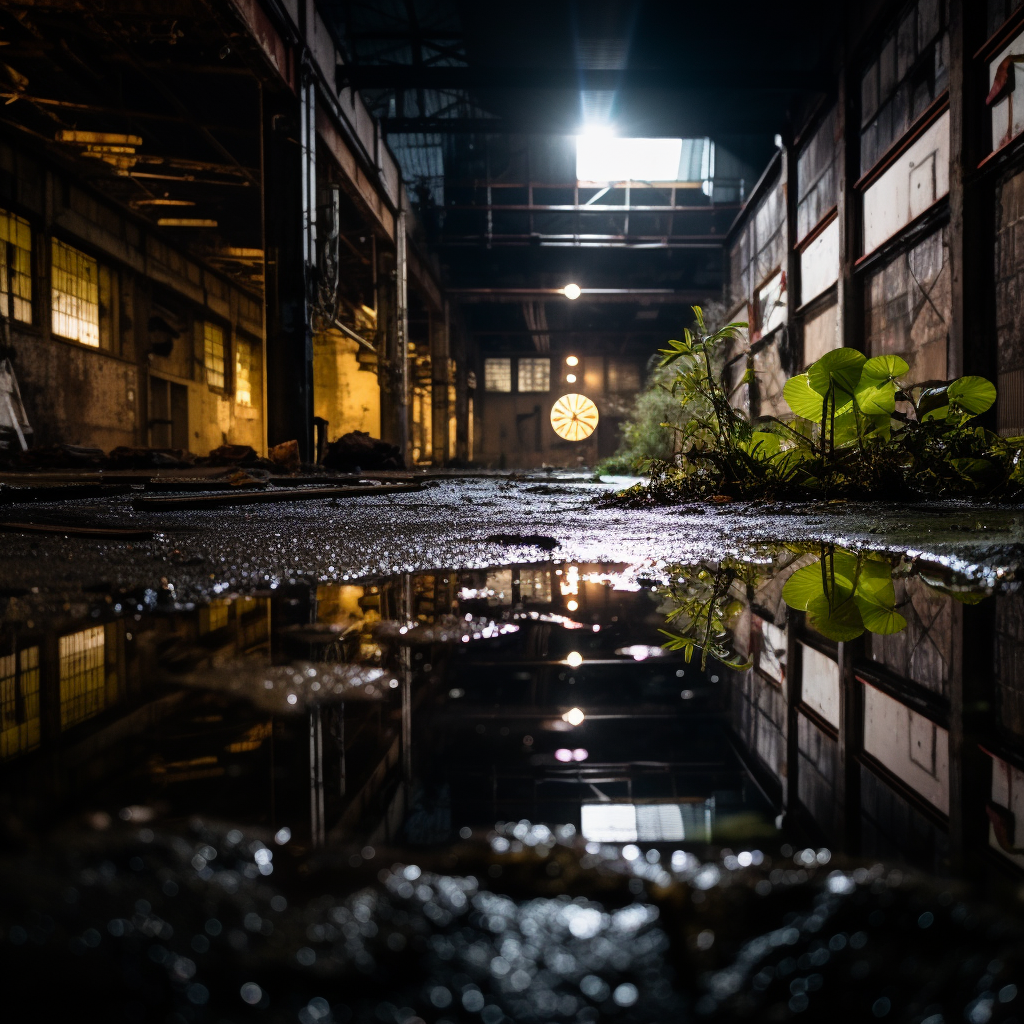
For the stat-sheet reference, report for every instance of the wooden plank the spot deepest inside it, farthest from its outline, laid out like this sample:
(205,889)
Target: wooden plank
(203,501)
(94,532)
(61,492)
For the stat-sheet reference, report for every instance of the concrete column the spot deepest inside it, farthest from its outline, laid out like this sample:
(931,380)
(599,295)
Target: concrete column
(401,366)
(387,344)
(439,387)
(850,312)
(851,745)
(971,218)
(289,200)
(461,397)
(794,685)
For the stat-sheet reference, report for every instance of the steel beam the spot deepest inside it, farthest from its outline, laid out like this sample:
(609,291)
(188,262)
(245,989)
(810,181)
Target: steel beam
(742,78)
(289,211)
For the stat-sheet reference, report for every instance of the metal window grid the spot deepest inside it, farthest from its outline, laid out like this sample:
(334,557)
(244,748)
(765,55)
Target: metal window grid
(15,267)
(75,297)
(497,374)
(19,702)
(213,354)
(82,675)
(535,374)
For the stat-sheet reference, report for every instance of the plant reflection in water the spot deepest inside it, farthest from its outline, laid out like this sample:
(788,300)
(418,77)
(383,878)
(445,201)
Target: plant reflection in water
(843,594)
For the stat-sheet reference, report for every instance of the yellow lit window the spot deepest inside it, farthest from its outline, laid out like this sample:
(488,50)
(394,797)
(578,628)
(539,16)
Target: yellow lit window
(213,354)
(76,295)
(82,676)
(19,702)
(15,267)
(243,372)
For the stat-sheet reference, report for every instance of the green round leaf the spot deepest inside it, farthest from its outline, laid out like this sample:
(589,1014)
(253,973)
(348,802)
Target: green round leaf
(879,618)
(875,397)
(803,587)
(933,404)
(974,395)
(801,399)
(880,368)
(840,622)
(841,366)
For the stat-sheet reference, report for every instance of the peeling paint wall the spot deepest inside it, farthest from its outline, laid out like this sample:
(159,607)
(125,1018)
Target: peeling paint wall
(344,393)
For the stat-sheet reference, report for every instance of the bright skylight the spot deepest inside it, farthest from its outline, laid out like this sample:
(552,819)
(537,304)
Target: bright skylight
(606,157)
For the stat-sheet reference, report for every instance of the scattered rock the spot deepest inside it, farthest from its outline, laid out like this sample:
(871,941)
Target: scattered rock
(286,456)
(532,540)
(358,451)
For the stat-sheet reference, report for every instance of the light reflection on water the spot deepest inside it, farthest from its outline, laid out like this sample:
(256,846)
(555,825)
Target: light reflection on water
(524,803)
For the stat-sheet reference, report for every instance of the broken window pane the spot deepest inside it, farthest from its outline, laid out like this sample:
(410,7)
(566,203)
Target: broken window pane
(243,371)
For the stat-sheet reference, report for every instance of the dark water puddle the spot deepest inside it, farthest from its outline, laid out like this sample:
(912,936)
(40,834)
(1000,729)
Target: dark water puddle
(762,789)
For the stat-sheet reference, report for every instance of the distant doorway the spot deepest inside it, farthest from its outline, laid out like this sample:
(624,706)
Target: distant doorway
(168,414)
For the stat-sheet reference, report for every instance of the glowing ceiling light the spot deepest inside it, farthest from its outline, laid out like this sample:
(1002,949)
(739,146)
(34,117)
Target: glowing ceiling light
(603,157)
(575,659)
(574,417)
(574,716)
(572,605)
(571,361)
(572,291)
(570,378)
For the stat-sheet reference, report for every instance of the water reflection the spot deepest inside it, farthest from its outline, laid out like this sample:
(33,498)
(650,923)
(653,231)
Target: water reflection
(525,803)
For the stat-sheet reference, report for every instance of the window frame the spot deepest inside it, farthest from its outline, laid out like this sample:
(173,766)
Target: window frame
(533,362)
(488,360)
(11,270)
(56,244)
(226,355)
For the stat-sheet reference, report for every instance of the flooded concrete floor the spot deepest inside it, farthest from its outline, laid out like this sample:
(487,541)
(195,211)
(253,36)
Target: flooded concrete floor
(465,523)
(422,759)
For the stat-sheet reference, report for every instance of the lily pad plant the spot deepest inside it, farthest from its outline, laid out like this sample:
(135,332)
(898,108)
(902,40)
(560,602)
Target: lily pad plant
(861,429)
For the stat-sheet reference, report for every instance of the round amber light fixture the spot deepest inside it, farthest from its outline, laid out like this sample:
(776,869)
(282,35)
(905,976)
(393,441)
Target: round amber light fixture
(574,417)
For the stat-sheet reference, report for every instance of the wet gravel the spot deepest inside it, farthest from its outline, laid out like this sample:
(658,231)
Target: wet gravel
(456,524)
(207,922)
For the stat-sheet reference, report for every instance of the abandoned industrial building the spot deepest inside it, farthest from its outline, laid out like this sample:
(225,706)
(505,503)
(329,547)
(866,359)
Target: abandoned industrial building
(511,514)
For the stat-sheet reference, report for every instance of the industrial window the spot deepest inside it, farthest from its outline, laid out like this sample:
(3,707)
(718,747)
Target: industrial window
(244,375)
(15,267)
(497,374)
(213,354)
(19,702)
(998,12)
(82,676)
(534,374)
(816,177)
(76,295)
(909,73)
